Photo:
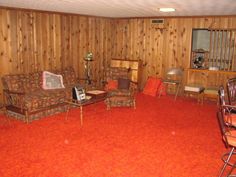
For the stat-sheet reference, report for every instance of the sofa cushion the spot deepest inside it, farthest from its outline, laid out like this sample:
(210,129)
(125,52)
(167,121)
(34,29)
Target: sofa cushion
(40,99)
(123,83)
(111,85)
(52,81)
(151,86)
(33,81)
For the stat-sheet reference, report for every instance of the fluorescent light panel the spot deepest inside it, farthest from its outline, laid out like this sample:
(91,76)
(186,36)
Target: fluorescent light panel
(167,9)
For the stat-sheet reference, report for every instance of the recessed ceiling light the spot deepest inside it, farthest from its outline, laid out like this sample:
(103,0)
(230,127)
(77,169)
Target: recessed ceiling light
(167,9)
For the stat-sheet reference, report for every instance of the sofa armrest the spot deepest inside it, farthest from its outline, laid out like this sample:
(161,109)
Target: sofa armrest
(13,92)
(14,98)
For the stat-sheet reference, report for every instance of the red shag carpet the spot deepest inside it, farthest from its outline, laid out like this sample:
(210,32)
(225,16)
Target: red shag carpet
(161,138)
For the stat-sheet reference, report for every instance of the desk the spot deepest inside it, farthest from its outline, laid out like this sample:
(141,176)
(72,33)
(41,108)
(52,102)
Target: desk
(94,98)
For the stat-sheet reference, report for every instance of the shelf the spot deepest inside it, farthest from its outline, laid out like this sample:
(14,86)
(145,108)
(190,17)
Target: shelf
(212,71)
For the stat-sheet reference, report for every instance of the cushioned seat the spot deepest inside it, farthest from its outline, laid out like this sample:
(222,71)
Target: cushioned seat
(194,90)
(211,94)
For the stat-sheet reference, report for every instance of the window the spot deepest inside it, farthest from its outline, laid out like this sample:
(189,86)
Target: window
(214,49)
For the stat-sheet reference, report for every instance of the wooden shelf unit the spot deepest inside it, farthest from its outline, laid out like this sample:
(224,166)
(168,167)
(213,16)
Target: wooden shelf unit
(199,54)
(132,65)
(208,78)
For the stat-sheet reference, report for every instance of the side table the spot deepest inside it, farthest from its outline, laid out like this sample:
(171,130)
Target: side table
(95,96)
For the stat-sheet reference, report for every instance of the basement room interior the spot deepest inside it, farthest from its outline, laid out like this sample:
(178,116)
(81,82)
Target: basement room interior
(117,88)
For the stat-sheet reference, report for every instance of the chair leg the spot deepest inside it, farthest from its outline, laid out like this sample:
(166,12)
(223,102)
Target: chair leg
(231,170)
(108,104)
(160,92)
(27,116)
(134,102)
(177,91)
(226,163)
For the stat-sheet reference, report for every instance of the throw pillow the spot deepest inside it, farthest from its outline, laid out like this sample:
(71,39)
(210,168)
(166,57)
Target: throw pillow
(52,81)
(111,85)
(123,83)
(152,86)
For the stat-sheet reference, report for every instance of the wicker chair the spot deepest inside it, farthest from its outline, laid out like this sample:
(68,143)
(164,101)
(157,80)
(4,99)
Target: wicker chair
(229,138)
(124,94)
(231,91)
(228,111)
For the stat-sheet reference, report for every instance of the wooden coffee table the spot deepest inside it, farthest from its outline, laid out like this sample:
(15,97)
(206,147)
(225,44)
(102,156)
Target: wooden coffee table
(91,98)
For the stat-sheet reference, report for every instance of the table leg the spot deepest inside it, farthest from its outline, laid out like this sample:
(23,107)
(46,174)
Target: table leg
(67,111)
(81,115)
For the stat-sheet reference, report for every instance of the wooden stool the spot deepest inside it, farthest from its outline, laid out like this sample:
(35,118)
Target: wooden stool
(196,91)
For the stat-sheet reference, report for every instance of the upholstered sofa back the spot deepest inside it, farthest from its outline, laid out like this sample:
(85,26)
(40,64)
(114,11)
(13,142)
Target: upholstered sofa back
(114,73)
(33,81)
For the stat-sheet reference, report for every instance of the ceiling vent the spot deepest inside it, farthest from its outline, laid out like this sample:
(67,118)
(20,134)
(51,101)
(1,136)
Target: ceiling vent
(157,21)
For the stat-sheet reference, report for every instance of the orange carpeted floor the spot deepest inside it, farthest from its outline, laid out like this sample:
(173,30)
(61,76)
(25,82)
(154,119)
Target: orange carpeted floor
(161,138)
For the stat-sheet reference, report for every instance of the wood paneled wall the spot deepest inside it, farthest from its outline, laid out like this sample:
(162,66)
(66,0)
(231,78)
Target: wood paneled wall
(163,46)
(32,41)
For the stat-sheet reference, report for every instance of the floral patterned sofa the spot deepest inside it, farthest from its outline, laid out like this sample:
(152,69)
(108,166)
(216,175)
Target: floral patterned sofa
(25,99)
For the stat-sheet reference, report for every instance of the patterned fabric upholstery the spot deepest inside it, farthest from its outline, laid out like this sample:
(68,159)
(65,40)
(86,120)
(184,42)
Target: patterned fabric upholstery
(120,97)
(68,77)
(24,92)
(114,73)
(14,82)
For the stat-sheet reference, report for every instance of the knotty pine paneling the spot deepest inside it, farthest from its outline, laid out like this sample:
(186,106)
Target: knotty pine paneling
(33,41)
(163,46)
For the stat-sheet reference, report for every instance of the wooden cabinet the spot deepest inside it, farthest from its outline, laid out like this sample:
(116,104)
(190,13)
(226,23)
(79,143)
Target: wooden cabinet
(208,78)
(132,65)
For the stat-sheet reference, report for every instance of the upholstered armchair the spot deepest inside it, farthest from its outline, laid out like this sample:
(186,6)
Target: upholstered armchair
(121,90)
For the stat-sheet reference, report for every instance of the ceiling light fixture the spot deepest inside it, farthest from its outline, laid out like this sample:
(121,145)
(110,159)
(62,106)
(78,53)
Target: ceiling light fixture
(167,9)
